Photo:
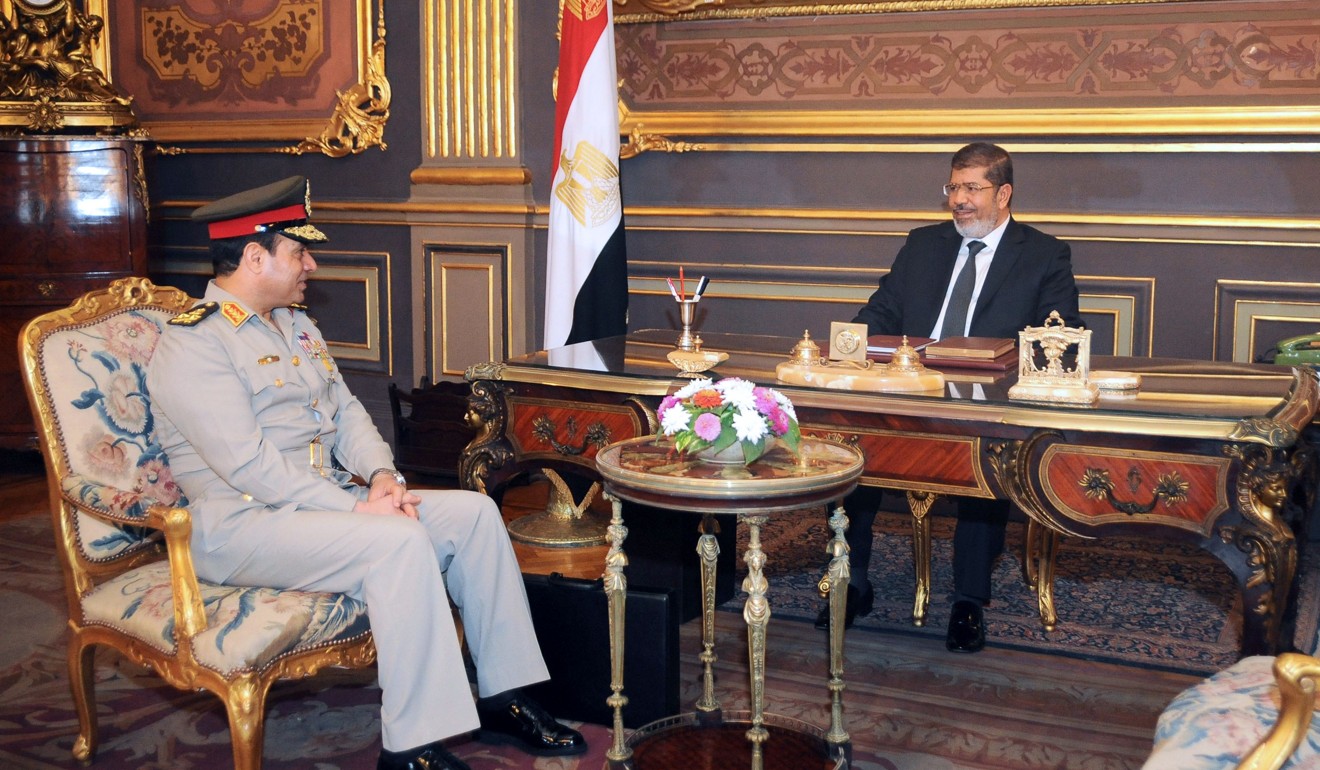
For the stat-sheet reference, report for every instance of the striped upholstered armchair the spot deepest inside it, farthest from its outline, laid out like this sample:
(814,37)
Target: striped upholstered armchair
(1257,714)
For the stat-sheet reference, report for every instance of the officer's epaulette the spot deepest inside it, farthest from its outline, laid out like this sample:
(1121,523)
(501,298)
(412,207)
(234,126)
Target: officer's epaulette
(195,315)
(296,306)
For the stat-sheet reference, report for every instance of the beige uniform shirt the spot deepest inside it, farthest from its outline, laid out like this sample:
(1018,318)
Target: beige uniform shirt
(255,415)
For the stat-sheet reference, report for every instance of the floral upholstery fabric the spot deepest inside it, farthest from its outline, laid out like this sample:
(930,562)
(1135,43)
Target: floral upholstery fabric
(96,377)
(1214,724)
(247,628)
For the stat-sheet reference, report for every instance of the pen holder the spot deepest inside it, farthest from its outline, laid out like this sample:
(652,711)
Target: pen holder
(687,310)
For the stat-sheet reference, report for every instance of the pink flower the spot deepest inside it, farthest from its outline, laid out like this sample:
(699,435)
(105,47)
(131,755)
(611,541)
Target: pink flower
(707,427)
(778,421)
(155,480)
(131,337)
(765,401)
(665,404)
(124,405)
(104,455)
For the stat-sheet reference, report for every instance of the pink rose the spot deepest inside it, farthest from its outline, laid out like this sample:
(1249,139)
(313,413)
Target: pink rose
(103,454)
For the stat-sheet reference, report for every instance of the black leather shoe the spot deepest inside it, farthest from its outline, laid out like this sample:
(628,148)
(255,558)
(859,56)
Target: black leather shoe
(859,602)
(966,627)
(521,721)
(429,757)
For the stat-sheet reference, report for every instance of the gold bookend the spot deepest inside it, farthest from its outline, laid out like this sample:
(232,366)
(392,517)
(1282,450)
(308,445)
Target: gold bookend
(1054,382)
(564,523)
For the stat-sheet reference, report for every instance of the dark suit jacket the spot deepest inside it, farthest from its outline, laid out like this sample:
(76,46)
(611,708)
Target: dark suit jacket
(1031,275)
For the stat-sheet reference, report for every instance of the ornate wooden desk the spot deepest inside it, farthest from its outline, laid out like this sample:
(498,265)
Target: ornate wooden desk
(1207,452)
(647,470)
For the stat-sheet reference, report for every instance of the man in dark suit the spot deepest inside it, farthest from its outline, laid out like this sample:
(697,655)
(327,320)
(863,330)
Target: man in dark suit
(980,275)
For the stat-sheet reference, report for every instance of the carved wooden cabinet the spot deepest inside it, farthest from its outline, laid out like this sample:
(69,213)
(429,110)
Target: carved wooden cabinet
(74,218)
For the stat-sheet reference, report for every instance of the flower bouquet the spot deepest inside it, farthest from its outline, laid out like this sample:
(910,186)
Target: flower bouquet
(719,416)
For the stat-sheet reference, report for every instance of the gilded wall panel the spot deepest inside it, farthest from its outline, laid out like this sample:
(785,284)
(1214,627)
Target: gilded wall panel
(1250,316)
(1183,65)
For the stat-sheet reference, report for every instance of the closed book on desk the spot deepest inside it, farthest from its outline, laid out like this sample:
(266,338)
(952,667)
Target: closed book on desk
(1003,363)
(983,348)
(572,626)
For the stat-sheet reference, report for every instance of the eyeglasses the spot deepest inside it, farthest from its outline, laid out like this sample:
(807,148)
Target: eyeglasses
(971,188)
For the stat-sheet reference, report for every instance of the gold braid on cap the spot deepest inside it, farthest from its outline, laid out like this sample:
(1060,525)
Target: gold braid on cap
(304,231)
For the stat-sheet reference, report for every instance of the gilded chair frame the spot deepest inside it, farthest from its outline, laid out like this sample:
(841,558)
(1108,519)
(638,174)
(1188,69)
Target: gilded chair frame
(244,691)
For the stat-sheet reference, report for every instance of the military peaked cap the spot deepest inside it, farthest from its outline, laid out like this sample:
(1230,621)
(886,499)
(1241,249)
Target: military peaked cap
(282,207)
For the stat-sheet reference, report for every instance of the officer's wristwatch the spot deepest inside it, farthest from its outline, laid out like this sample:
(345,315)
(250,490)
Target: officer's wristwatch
(398,477)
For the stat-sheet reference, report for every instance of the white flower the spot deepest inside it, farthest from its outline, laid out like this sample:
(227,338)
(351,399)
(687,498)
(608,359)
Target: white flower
(749,425)
(785,404)
(690,389)
(738,393)
(675,419)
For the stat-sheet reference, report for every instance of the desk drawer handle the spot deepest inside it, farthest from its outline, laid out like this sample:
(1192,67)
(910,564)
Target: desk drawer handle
(544,428)
(1171,488)
(47,288)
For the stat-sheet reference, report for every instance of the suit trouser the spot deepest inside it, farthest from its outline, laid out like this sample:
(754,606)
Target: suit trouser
(978,540)
(394,565)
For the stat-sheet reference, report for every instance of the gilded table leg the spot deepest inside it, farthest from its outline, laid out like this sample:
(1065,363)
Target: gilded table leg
(1048,541)
(708,549)
(757,614)
(919,503)
(616,593)
(836,578)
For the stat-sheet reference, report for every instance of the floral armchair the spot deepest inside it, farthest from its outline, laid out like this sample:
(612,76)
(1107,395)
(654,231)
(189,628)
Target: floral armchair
(123,529)
(1257,714)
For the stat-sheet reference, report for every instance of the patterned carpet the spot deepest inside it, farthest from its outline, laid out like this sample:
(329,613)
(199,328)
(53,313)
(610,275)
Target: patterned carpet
(1121,600)
(909,704)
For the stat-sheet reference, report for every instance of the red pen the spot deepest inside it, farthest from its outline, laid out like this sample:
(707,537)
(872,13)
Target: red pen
(682,290)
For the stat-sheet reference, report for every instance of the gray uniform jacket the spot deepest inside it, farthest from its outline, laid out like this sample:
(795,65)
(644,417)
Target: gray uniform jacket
(275,411)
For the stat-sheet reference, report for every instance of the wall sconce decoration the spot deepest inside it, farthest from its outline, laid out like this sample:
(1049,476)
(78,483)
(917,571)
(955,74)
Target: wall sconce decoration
(52,70)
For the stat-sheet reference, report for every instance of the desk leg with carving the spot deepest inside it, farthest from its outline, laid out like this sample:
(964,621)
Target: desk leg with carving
(1046,546)
(919,503)
(757,614)
(708,549)
(836,579)
(616,594)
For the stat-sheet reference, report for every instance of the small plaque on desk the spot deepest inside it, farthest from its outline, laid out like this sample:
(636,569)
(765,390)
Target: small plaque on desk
(847,341)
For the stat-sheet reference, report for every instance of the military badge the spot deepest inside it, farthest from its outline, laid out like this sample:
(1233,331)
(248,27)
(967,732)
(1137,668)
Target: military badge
(195,315)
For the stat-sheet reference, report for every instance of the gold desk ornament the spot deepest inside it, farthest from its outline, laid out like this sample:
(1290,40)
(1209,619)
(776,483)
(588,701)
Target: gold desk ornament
(903,373)
(1053,382)
(694,363)
(52,71)
(847,341)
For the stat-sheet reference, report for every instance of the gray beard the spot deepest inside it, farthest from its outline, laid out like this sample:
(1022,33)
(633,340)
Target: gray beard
(977,228)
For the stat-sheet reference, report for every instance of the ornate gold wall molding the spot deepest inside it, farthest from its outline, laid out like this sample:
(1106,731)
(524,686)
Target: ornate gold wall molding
(358,114)
(1230,68)
(470,66)
(640,11)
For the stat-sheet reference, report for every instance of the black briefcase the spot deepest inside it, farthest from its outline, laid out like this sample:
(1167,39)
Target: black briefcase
(572,626)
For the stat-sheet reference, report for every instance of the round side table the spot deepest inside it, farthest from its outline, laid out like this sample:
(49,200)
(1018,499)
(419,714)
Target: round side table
(647,470)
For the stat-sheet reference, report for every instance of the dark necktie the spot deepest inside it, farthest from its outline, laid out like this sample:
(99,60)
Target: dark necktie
(955,315)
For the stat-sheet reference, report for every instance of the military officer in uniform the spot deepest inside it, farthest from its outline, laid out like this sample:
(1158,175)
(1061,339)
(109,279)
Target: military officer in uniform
(265,439)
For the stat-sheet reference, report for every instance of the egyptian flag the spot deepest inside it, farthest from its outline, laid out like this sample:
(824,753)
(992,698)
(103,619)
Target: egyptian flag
(586,288)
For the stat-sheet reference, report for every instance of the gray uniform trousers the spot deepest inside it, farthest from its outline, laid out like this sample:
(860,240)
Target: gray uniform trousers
(400,567)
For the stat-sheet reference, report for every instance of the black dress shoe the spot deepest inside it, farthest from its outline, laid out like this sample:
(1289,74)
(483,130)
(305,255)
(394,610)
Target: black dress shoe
(521,721)
(966,627)
(859,602)
(429,757)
